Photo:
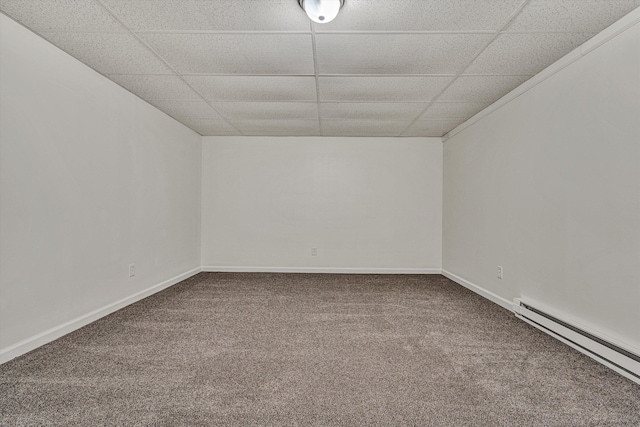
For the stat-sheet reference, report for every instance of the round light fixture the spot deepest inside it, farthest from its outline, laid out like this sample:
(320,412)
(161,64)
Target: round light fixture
(321,11)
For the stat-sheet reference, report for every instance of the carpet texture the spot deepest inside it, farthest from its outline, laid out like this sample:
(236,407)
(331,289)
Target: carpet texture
(313,350)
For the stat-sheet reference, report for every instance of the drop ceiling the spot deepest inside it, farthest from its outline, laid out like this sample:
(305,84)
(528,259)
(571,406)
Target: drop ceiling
(261,67)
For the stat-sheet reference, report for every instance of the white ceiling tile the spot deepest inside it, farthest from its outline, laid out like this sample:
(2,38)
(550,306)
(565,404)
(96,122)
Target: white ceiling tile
(371,111)
(453,110)
(294,127)
(525,53)
(422,15)
(396,53)
(61,15)
(431,127)
(481,88)
(235,53)
(363,127)
(381,89)
(268,110)
(255,88)
(209,127)
(155,87)
(207,15)
(109,53)
(191,109)
(571,15)
(203,37)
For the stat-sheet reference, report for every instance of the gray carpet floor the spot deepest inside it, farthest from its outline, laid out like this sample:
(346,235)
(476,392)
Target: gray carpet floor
(313,350)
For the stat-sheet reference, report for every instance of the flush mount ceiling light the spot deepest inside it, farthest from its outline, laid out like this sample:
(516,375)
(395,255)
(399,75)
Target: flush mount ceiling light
(321,11)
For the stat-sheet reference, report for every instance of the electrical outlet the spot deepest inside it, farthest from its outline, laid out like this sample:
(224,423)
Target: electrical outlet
(132,270)
(500,271)
(314,251)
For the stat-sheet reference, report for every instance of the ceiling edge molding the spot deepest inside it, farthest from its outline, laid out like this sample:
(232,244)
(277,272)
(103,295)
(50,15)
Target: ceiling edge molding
(619,27)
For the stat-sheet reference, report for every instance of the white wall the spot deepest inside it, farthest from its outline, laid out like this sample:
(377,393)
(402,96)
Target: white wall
(366,204)
(91,179)
(548,186)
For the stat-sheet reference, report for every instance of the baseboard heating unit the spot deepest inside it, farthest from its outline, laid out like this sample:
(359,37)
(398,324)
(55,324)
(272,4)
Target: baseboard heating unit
(622,360)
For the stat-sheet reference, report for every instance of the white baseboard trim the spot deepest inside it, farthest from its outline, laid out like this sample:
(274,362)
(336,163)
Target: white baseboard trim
(587,349)
(479,290)
(56,332)
(345,270)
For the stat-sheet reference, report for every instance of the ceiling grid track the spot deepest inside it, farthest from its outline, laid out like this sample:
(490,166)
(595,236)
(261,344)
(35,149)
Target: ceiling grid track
(404,68)
(316,75)
(176,73)
(480,51)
